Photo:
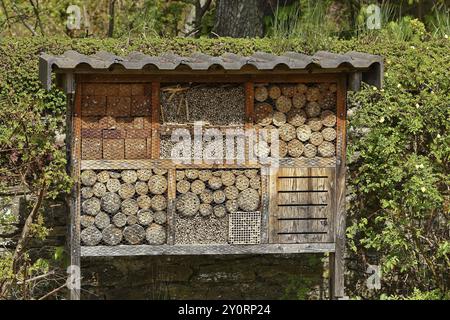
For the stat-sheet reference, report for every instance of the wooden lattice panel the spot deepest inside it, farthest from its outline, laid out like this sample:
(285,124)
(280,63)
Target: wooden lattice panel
(116,121)
(303,205)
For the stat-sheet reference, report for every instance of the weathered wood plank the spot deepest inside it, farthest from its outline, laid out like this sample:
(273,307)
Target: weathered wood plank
(302,226)
(171,214)
(265,207)
(304,212)
(155,143)
(129,250)
(302,198)
(273,215)
(302,238)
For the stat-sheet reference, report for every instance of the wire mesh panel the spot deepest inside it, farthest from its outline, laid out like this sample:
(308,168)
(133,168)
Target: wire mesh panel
(245,227)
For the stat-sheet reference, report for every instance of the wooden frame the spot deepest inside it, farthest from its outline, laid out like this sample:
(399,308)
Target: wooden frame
(269,237)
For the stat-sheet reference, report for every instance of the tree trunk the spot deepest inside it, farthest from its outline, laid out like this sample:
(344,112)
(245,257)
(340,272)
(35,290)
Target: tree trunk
(240,18)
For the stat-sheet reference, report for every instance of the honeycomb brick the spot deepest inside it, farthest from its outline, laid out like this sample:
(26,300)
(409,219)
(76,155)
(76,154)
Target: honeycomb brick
(113,149)
(140,106)
(91,149)
(93,106)
(91,133)
(135,148)
(119,106)
(114,134)
(138,134)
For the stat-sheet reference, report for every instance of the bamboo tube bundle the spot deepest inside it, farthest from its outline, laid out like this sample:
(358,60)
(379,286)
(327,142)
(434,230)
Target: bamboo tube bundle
(288,90)
(312,94)
(127,191)
(198,186)
(129,176)
(191,174)
(88,178)
(102,220)
(204,175)
(326,149)
(134,234)
(111,202)
(228,178)
(91,206)
(141,188)
(283,104)
(217,173)
(119,220)
(188,204)
(287,132)
(215,183)
(329,134)
(303,133)
(255,182)
(263,114)
(103,176)
(278,118)
(282,149)
(115,175)
(249,200)
(91,236)
(156,234)
(99,189)
(159,202)
(299,101)
(179,176)
(231,192)
(183,186)
(328,118)
(312,109)
(145,217)
(205,209)
(157,184)
(301,88)
(206,196)
(296,117)
(220,211)
(144,202)
(315,124)
(232,205)
(129,207)
(261,94)
(316,138)
(250,173)
(327,101)
(144,174)
(113,185)
(131,220)
(87,221)
(87,192)
(295,148)
(274,92)
(242,182)
(160,217)
(112,235)
(219,196)
(310,151)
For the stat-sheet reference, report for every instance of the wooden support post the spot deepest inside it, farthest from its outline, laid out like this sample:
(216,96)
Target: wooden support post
(74,130)
(337,265)
(155,147)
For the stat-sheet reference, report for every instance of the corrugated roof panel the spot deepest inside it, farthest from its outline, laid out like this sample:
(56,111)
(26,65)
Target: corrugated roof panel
(71,60)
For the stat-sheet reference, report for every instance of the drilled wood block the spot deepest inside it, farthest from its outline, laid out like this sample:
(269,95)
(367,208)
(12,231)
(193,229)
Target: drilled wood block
(91,149)
(140,106)
(137,89)
(91,133)
(112,89)
(114,149)
(119,106)
(147,123)
(100,89)
(88,89)
(138,134)
(135,148)
(93,105)
(114,134)
(129,123)
(125,90)
(94,123)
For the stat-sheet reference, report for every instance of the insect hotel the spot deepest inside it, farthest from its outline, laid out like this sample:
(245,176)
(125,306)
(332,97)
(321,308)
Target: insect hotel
(155,169)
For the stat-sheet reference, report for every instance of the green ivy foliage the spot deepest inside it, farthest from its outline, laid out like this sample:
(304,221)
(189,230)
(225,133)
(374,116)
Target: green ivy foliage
(399,145)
